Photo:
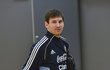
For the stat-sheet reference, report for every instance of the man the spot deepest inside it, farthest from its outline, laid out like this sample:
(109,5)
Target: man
(50,53)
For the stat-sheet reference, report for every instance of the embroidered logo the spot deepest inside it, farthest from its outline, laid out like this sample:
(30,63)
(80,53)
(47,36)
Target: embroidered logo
(61,58)
(52,52)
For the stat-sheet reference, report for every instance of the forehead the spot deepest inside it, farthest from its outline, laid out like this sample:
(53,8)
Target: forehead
(55,18)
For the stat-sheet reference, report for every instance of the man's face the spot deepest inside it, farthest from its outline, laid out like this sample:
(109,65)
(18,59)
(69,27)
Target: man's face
(55,25)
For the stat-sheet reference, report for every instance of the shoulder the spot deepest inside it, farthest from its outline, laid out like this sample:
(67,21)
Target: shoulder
(41,42)
(64,40)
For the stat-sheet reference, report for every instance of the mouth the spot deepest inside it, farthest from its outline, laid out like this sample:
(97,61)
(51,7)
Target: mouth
(58,29)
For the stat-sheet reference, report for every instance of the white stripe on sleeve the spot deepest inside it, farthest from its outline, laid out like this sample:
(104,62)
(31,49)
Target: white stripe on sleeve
(34,52)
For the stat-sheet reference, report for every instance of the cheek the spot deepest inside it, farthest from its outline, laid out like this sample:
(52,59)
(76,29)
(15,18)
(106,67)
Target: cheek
(51,28)
(63,26)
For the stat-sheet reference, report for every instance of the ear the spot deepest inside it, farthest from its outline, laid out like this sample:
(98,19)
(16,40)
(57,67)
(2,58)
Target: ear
(46,24)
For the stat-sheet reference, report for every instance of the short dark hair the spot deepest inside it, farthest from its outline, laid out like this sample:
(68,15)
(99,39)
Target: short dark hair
(53,13)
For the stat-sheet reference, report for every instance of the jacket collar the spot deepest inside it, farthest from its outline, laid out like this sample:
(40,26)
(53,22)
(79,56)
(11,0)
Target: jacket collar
(49,35)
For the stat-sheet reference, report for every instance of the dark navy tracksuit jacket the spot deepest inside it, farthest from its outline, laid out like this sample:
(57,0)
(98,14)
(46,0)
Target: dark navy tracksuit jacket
(48,54)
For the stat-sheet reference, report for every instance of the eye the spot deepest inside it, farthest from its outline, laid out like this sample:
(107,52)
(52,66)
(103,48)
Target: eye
(60,21)
(54,21)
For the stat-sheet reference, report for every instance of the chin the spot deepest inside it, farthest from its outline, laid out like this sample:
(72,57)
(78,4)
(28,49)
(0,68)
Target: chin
(58,34)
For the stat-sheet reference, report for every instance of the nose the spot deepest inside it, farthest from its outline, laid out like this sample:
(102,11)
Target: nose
(58,24)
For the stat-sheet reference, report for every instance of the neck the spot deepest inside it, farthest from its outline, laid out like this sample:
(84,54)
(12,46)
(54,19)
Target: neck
(57,36)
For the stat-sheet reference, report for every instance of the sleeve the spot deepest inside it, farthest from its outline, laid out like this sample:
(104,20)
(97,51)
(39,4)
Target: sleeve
(35,58)
(70,60)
